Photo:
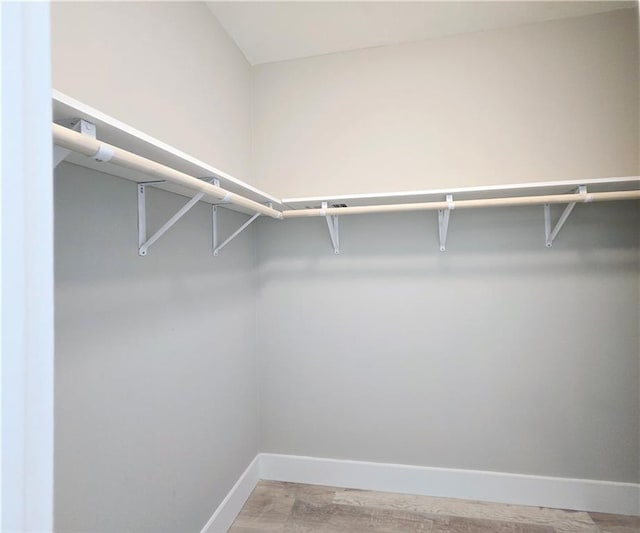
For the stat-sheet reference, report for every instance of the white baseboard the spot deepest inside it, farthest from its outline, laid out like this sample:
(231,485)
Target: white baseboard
(227,511)
(557,492)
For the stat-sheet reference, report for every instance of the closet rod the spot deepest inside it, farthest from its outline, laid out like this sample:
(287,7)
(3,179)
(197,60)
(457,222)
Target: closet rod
(462,204)
(100,151)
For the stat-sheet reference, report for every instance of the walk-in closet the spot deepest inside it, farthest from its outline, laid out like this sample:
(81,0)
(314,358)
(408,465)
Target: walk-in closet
(320,267)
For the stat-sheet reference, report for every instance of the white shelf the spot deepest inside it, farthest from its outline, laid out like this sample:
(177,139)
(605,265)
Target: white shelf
(624,183)
(67,110)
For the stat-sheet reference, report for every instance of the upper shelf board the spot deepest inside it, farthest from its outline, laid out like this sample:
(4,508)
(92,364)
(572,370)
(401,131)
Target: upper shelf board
(467,193)
(67,110)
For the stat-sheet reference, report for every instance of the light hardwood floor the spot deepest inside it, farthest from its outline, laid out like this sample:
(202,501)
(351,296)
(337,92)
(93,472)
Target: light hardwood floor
(291,507)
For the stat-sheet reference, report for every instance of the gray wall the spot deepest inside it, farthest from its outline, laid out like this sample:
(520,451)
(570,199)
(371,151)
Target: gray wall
(155,406)
(498,355)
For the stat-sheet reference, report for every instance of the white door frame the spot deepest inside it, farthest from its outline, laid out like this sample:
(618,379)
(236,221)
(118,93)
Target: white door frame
(26,229)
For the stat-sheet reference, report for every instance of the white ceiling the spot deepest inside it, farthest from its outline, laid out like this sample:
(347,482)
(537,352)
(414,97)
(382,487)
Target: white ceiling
(277,31)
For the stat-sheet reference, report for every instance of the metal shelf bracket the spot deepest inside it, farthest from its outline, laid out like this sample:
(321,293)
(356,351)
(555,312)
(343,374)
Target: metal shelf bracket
(143,242)
(219,246)
(81,126)
(334,230)
(551,234)
(443,222)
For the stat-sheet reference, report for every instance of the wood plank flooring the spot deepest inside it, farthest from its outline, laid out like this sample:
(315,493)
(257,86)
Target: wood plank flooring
(291,507)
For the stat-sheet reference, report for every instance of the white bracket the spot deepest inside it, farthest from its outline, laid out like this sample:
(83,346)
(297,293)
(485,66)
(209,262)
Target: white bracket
(81,126)
(214,212)
(143,242)
(334,230)
(551,234)
(443,222)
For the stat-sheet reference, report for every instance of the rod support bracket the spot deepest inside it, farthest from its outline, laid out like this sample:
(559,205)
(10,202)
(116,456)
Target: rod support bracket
(333,224)
(80,125)
(551,234)
(214,227)
(143,242)
(443,222)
